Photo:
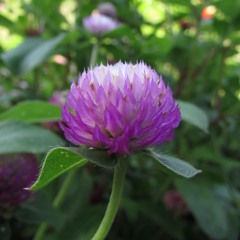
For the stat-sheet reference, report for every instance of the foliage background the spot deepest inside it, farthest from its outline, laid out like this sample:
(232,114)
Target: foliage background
(199,58)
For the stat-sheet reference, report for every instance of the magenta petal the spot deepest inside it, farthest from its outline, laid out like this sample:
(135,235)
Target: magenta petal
(114,121)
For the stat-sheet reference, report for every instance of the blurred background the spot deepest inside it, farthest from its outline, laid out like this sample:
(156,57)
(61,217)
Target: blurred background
(194,45)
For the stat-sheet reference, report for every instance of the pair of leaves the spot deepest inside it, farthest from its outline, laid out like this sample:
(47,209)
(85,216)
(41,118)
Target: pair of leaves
(39,111)
(61,160)
(21,137)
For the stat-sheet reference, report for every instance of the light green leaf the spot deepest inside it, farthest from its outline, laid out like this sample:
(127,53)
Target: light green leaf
(40,53)
(32,112)
(155,47)
(29,54)
(176,165)
(58,161)
(123,30)
(21,137)
(13,57)
(194,115)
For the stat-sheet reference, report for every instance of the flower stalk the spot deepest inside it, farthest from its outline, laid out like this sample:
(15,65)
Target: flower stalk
(114,201)
(94,54)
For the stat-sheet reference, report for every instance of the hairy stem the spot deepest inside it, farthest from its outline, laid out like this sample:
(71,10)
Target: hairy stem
(113,205)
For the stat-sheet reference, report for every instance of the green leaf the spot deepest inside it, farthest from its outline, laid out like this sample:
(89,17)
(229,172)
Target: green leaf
(155,47)
(123,31)
(21,137)
(6,22)
(40,53)
(13,57)
(158,215)
(58,161)
(205,154)
(36,215)
(32,112)
(31,53)
(97,156)
(194,115)
(207,207)
(176,165)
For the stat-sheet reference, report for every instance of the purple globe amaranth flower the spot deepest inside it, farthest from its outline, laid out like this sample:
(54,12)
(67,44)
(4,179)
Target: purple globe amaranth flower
(58,98)
(107,9)
(17,171)
(123,108)
(175,203)
(99,24)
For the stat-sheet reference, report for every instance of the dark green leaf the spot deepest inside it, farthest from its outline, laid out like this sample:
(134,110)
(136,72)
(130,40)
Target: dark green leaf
(21,137)
(160,216)
(155,47)
(83,225)
(176,165)
(32,112)
(206,206)
(194,115)
(58,161)
(14,57)
(35,215)
(205,154)
(5,22)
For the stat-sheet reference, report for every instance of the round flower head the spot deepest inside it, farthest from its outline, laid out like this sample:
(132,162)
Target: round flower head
(107,9)
(99,24)
(58,98)
(17,172)
(123,108)
(175,203)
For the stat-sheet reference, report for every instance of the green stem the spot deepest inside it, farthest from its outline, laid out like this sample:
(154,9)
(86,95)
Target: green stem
(94,54)
(60,196)
(56,203)
(117,189)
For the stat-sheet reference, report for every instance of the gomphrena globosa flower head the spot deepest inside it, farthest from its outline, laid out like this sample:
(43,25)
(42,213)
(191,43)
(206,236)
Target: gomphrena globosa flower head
(58,98)
(123,108)
(175,203)
(99,24)
(17,171)
(107,8)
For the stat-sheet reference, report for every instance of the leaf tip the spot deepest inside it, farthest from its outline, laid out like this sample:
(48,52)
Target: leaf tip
(198,171)
(31,188)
